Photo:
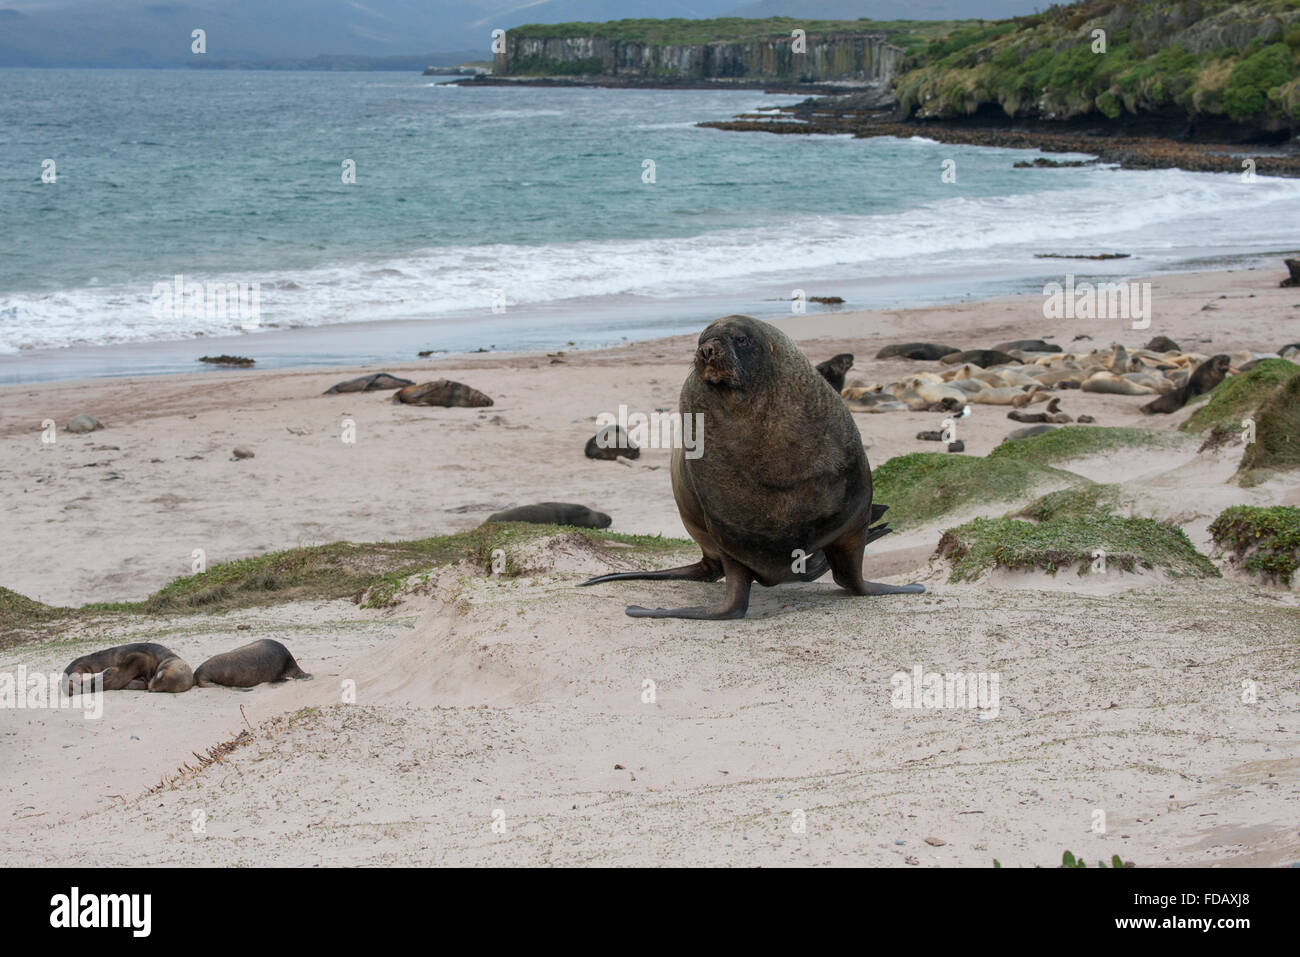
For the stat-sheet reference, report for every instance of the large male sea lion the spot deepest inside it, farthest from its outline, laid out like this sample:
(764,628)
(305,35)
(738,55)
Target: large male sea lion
(554,513)
(783,474)
(249,665)
(134,667)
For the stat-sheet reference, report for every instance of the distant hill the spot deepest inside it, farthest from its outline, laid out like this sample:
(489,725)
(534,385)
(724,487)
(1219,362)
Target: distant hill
(1205,63)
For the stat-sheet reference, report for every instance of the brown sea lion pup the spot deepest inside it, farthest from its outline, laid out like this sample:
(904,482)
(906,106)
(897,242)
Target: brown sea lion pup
(835,368)
(980,357)
(249,665)
(611,442)
(924,351)
(783,488)
(1207,375)
(1163,344)
(378,382)
(443,392)
(135,667)
(1028,432)
(1053,414)
(554,513)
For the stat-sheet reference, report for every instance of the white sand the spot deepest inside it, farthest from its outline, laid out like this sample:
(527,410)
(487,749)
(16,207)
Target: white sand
(522,695)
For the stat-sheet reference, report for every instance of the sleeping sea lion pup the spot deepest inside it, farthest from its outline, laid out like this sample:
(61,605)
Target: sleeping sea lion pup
(553,513)
(783,474)
(254,663)
(136,667)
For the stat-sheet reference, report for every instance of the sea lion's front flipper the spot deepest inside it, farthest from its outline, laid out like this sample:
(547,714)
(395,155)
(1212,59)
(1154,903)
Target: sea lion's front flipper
(704,570)
(739,579)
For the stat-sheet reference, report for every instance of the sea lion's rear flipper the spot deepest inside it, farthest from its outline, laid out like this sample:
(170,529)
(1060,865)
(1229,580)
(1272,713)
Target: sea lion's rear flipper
(817,567)
(739,580)
(874,532)
(704,570)
(845,556)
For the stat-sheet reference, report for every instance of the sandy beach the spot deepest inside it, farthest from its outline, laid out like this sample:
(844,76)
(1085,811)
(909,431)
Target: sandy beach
(522,702)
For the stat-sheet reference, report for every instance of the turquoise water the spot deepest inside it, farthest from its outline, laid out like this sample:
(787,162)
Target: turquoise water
(531,198)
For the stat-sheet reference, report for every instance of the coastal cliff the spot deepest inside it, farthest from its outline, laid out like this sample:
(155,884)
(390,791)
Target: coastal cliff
(839,53)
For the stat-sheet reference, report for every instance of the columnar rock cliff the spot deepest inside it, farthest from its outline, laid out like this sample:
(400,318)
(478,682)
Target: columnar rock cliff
(829,57)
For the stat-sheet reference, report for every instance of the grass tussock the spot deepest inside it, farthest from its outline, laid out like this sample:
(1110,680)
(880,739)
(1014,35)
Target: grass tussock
(1068,529)
(1263,541)
(923,486)
(1238,396)
(1277,435)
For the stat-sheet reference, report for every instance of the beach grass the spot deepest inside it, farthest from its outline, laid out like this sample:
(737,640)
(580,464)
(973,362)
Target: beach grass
(1263,541)
(371,574)
(1277,435)
(1100,540)
(1238,396)
(922,486)
(1078,441)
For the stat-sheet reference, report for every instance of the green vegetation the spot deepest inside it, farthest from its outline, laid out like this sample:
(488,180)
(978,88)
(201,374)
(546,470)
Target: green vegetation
(1072,536)
(908,34)
(1238,61)
(16,609)
(1240,395)
(1264,541)
(1277,435)
(1077,441)
(374,574)
(1075,502)
(922,486)
(549,66)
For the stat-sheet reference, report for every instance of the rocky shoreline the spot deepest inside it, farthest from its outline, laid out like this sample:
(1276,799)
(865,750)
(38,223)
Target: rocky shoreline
(774,87)
(1128,151)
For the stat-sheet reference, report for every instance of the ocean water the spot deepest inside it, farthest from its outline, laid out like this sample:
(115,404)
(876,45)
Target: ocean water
(521,218)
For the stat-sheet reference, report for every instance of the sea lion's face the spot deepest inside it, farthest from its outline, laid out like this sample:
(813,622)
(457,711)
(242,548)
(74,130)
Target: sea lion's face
(732,352)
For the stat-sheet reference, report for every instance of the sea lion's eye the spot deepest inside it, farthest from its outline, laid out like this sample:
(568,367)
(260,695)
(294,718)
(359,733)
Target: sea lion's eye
(742,340)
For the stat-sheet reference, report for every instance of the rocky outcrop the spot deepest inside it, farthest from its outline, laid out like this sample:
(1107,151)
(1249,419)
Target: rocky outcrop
(844,56)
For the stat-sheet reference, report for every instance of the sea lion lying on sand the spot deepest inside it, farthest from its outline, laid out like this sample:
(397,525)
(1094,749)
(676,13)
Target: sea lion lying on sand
(252,664)
(1207,375)
(783,488)
(443,392)
(979,357)
(134,667)
(369,383)
(554,513)
(1026,345)
(924,351)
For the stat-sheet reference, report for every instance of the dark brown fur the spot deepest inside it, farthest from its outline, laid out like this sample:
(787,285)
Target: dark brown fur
(135,667)
(1207,375)
(835,368)
(252,664)
(782,469)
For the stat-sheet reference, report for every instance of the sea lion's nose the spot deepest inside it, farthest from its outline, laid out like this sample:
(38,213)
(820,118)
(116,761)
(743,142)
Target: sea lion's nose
(709,351)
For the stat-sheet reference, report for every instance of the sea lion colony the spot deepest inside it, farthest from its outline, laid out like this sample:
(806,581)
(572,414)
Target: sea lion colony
(1025,372)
